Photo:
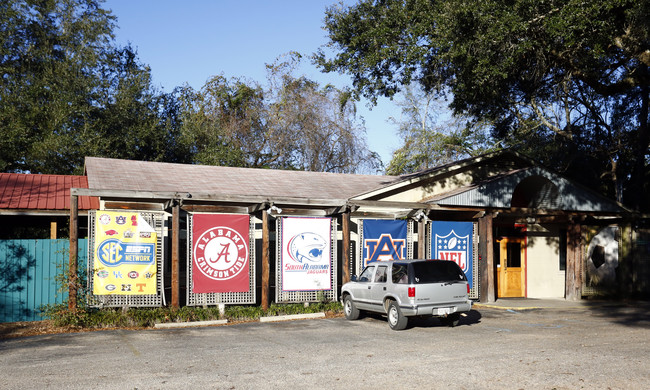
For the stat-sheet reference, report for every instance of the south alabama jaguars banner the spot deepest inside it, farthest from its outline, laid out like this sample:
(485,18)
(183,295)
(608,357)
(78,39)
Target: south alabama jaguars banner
(383,240)
(220,253)
(306,254)
(124,256)
(453,241)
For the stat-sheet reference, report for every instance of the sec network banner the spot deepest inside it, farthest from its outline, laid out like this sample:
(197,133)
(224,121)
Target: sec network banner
(124,257)
(453,241)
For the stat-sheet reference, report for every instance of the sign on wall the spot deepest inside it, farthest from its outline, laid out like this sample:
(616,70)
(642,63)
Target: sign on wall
(220,256)
(306,254)
(453,241)
(124,255)
(383,240)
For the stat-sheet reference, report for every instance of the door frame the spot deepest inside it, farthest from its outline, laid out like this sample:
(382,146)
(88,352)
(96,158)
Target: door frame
(501,266)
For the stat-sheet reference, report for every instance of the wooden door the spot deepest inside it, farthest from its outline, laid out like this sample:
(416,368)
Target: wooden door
(511,272)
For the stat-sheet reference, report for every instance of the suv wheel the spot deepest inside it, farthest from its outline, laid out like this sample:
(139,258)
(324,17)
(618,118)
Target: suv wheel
(349,308)
(396,320)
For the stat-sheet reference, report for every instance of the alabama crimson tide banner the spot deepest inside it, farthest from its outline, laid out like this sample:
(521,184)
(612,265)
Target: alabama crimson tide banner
(453,241)
(383,240)
(306,254)
(220,253)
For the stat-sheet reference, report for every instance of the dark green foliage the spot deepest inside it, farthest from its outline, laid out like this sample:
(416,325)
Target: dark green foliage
(67,92)
(565,81)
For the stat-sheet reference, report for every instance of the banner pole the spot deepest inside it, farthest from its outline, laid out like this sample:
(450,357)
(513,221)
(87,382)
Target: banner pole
(176,254)
(265,260)
(74,248)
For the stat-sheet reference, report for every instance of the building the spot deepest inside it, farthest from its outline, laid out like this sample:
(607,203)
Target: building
(34,215)
(530,228)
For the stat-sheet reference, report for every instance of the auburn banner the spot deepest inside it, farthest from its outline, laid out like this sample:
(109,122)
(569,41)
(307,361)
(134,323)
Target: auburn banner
(383,240)
(453,241)
(220,258)
(124,256)
(306,254)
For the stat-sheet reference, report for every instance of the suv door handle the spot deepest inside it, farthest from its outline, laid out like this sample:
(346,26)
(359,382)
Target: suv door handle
(384,288)
(369,287)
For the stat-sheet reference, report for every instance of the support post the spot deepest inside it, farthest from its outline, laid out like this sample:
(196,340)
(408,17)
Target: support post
(573,285)
(266,260)
(345,251)
(176,286)
(422,225)
(74,250)
(486,259)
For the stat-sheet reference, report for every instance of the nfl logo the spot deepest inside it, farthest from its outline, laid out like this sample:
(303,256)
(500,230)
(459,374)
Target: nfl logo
(454,248)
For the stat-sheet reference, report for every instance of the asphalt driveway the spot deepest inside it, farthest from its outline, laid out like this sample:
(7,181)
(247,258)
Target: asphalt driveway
(493,348)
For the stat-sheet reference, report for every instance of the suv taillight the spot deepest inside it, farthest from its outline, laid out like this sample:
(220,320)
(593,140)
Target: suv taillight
(411,292)
(468,288)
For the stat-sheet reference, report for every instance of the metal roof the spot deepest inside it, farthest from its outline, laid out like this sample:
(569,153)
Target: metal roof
(42,192)
(115,174)
(498,192)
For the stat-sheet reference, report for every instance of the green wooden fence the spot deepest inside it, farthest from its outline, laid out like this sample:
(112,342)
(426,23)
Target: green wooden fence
(28,276)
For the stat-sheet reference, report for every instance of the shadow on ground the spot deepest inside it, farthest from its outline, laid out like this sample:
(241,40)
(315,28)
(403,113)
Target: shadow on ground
(471,318)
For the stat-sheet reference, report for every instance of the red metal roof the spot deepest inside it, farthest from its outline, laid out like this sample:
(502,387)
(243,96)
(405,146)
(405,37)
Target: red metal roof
(42,192)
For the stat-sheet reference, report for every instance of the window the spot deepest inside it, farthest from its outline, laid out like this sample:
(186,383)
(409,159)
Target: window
(563,248)
(366,275)
(400,273)
(437,271)
(380,275)
(514,254)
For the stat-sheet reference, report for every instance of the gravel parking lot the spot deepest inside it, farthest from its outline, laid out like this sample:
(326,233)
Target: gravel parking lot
(567,348)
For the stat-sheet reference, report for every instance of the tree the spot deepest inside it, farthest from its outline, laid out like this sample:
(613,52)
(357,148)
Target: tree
(132,120)
(292,124)
(563,76)
(67,92)
(431,136)
(48,65)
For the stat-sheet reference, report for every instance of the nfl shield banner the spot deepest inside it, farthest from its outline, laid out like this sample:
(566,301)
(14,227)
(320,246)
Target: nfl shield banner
(220,254)
(124,256)
(453,241)
(383,240)
(306,254)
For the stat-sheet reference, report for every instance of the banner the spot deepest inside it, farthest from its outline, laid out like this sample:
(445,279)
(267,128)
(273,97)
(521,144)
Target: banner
(383,240)
(306,254)
(124,256)
(453,241)
(220,258)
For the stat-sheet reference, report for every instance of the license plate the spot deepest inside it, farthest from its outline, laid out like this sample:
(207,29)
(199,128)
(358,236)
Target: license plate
(441,311)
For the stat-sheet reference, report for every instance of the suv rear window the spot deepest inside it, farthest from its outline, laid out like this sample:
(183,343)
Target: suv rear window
(437,271)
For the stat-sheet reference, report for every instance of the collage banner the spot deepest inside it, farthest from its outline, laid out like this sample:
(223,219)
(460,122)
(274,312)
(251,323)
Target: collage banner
(124,255)
(383,240)
(306,254)
(453,241)
(220,256)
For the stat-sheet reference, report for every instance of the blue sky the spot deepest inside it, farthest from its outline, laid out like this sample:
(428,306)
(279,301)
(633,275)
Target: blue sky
(190,41)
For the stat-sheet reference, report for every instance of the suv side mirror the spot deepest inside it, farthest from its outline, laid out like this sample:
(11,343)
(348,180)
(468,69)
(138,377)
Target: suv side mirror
(353,278)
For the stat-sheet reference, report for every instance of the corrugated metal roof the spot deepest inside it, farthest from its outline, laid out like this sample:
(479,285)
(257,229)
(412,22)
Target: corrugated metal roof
(498,192)
(115,174)
(42,192)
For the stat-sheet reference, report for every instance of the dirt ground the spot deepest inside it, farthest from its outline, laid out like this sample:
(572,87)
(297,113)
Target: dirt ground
(34,328)
(10,330)
(30,328)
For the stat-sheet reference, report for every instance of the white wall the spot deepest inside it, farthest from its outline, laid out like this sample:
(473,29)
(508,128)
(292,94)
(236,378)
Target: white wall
(545,280)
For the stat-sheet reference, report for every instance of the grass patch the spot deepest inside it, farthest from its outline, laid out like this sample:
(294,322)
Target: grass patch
(93,318)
